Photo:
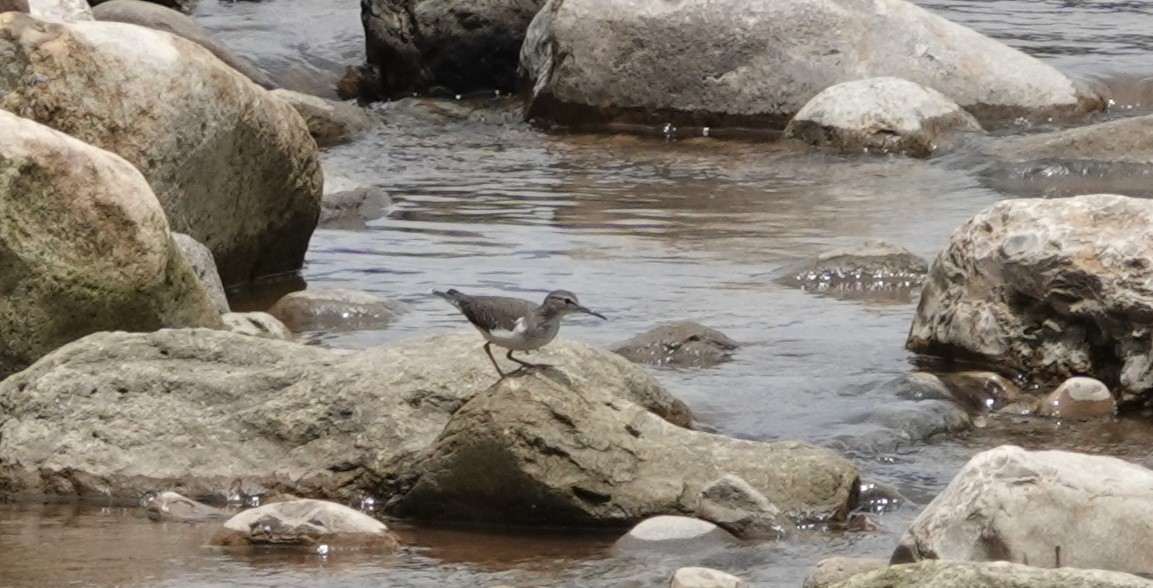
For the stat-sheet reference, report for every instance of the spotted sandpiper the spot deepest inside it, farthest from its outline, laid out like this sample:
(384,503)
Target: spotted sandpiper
(515,324)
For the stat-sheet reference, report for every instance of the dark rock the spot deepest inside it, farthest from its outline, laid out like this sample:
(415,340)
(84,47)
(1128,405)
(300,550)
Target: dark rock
(678,344)
(737,507)
(874,270)
(334,309)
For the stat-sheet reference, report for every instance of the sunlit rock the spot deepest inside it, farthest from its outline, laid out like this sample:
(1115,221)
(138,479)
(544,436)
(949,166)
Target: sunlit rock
(200,259)
(1079,398)
(308,524)
(873,270)
(829,571)
(256,324)
(60,10)
(963,574)
(881,115)
(172,506)
(1047,288)
(84,247)
(737,507)
(756,63)
(335,309)
(118,414)
(675,535)
(547,448)
(1096,512)
(678,344)
(232,166)
(155,16)
(329,122)
(696,577)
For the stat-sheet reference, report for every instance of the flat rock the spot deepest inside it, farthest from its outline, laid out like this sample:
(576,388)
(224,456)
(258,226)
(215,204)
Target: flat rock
(678,344)
(305,523)
(964,574)
(335,309)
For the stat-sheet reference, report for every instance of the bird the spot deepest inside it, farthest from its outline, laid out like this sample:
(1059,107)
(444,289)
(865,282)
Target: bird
(516,324)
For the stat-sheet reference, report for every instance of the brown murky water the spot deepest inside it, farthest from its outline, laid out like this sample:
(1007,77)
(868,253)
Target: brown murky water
(643,230)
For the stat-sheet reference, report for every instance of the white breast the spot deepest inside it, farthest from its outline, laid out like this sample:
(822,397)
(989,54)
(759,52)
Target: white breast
(514,339)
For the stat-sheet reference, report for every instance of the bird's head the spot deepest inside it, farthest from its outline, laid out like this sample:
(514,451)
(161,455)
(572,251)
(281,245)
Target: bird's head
(563,302)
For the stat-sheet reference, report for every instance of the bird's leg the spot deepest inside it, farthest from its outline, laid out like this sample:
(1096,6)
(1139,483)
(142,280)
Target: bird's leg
(525,363)
(488,350)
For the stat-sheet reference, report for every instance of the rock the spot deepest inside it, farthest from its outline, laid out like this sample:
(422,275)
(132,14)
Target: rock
(1046,288)
(84,247)
(329,122)
(117,414)
(874,269)
(232,166)
(1094,511)
(1079,398)
(14,6)
(154,16)
(171,506)
(200,259)
(831,570)
(348,205)
(335,309)
(893,425)
(885,115)
(962,574)
(60,10)
(461,46)
(674,534)
(983,391)
(758,63)
(680,344)
(257,324)
(548,449)
(305,523)
(1126,140)
(737,507)
(692,577)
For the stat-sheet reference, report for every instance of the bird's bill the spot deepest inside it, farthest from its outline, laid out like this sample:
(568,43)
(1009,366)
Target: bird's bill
(588,310)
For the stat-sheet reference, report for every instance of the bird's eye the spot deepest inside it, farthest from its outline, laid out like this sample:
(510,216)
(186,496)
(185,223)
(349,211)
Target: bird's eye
(569,301)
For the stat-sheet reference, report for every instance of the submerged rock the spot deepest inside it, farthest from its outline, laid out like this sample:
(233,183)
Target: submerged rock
(335,309)
(1095,512)
(349,205)
(84,247)
(541,450)
(306,523)
(883,115)
(964,574)
(1080,399)
(874,269)
(172,506)
(679,344)
(1047,288)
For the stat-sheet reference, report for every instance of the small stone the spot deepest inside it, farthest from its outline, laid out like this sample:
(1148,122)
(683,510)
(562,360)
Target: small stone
(693,577)
(335,310)
(257,324)
(676,534)
(1079,398)
(204,266)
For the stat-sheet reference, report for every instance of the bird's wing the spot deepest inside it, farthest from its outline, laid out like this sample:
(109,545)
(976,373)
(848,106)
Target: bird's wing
(495,312)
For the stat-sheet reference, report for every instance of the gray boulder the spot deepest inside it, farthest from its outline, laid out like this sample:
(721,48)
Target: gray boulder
(155,16)
(84,247)
(678,344)
(306,523)
(737,507)
(757,63)
(335,309)
(872,270)
(1047,288)
(232,166)
(540,450)
(1095,512)
(882,115)
(200,259)
(963,574)
(329,122)
(193,410)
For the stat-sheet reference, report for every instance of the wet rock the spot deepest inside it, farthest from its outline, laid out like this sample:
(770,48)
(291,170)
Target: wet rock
(232,166)
(171,506)
(872,270)
(760,62)
(1095,512)
(679,344)
(257,324)
(84,247)
(983,391)
(1126,140)
(829,571)
(1079,398)
(157,17)
(737,507)
(349,205)
(1047,288)
(878,498)
(694,577)
(963,574)
(306,523)
(456,46)
(884,115)
(329,122)
(60,10)
(335,309)
(14,6)
(675,535)
(200,259)
(893,425)
(117,414)
(540,450)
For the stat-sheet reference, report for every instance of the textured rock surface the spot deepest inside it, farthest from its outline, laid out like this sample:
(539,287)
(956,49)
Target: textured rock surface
(192,410)
(171,506)
(350,205)
(329,122)
(60,10)
(957,574)
(200,259)
(737,507)
(538,449)
(84,247)
(335,309)
(1079,398)
(1128,140)
(679,344)
(832,570)
(757,63)
(1020,506)
(695,577)
(305,523)
(1048,288)
(884,115)
(674,534)
(232,166)
(257,324)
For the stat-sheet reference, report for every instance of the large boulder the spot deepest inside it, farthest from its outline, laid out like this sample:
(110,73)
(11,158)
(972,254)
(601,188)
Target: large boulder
(192,410)
(84,247)
(957,574)
(1045,508)
(1048,288)
(458,45)
(233,167)
(540,449)
(756,63)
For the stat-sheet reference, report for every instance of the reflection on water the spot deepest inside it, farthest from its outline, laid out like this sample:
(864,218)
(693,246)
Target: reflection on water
(646,231)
